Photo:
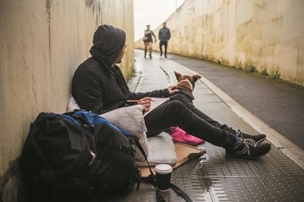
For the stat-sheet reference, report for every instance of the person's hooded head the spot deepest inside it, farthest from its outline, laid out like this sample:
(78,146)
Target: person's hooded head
(108,43)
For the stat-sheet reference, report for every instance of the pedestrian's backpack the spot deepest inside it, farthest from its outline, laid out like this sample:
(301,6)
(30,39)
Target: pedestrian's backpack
(70,157)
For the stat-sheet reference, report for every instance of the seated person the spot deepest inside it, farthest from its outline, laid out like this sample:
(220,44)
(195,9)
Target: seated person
(99,86)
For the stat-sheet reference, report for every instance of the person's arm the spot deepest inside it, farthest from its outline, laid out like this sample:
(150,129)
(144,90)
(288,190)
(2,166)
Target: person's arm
(156,93)
(88,95)
(169,34)
(147,101)
(154,36)
(87,92)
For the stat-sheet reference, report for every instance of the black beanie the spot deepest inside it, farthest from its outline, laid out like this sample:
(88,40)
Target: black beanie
(109,41)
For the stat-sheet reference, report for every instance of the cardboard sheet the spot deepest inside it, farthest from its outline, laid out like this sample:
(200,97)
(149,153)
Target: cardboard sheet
(184,153)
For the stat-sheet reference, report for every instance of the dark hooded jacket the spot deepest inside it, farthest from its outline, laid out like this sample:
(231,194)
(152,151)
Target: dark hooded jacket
(97,86)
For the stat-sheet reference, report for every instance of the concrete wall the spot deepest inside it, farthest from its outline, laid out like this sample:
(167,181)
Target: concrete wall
(41,45)
(264,34)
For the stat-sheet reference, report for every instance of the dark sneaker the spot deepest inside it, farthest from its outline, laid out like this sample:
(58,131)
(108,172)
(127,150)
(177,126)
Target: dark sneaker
(248,148)
(258,138)
(150,56)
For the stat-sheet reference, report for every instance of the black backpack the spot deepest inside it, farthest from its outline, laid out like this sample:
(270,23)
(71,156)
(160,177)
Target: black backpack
(70,157)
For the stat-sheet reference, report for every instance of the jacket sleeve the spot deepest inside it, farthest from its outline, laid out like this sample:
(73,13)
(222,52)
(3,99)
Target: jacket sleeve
(87,92)
(155,93)
(153,35)
(169,34)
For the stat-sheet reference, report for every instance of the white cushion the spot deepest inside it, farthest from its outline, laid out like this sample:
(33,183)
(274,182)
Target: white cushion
(131,119)
(72,104)
(161,150)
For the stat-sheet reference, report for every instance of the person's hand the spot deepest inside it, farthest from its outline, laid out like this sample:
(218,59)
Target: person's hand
(146,103)
(172,90)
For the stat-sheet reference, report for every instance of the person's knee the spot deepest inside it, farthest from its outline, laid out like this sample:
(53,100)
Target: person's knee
(182,98)
(175,106)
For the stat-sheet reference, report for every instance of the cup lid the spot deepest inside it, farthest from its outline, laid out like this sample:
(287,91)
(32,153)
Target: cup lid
(163,168)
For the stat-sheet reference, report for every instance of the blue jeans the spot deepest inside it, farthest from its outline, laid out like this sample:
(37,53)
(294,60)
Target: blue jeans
(181,112)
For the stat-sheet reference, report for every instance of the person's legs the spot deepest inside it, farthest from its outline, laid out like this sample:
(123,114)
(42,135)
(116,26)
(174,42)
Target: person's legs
(188,103)
(166,45)
(160,48)
(196,111)
(146,47)
(150,49)
(175,113)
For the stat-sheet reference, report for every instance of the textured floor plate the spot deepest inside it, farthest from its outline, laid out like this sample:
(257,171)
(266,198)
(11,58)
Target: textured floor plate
(271,178)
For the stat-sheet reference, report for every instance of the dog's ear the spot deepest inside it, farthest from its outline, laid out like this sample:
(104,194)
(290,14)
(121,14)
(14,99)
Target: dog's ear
(196,77)
(178,75)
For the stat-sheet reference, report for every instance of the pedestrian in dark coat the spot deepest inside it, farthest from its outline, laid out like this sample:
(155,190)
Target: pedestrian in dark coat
(164,36)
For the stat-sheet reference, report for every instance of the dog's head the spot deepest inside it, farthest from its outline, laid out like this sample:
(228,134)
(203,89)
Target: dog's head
(186,81)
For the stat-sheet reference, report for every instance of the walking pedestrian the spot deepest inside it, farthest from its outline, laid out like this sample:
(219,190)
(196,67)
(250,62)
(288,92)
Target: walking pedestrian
(164,36)
(148,40)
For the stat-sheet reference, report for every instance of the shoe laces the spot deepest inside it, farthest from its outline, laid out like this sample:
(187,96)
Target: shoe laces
(239,133)
(248,143)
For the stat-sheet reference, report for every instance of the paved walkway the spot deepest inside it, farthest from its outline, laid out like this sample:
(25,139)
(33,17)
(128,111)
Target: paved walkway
(278,176)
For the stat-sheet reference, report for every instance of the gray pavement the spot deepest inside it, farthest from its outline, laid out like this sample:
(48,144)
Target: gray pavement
(278,176)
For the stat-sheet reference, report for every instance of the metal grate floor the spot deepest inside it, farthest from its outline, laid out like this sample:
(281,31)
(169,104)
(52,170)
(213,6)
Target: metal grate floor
(271,178)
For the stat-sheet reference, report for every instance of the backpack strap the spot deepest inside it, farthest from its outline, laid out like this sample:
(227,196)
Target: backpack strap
(152,179)
(180,192)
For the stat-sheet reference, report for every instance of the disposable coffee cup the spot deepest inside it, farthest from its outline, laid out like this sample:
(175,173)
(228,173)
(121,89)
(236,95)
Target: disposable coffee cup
(163,176)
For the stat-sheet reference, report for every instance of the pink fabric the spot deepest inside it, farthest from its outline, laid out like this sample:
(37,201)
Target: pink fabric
(180,136)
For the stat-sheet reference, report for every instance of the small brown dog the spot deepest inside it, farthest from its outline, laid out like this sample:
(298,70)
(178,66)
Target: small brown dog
(186,83)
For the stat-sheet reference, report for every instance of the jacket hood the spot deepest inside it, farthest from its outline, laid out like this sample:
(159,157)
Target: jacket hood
(108,42)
